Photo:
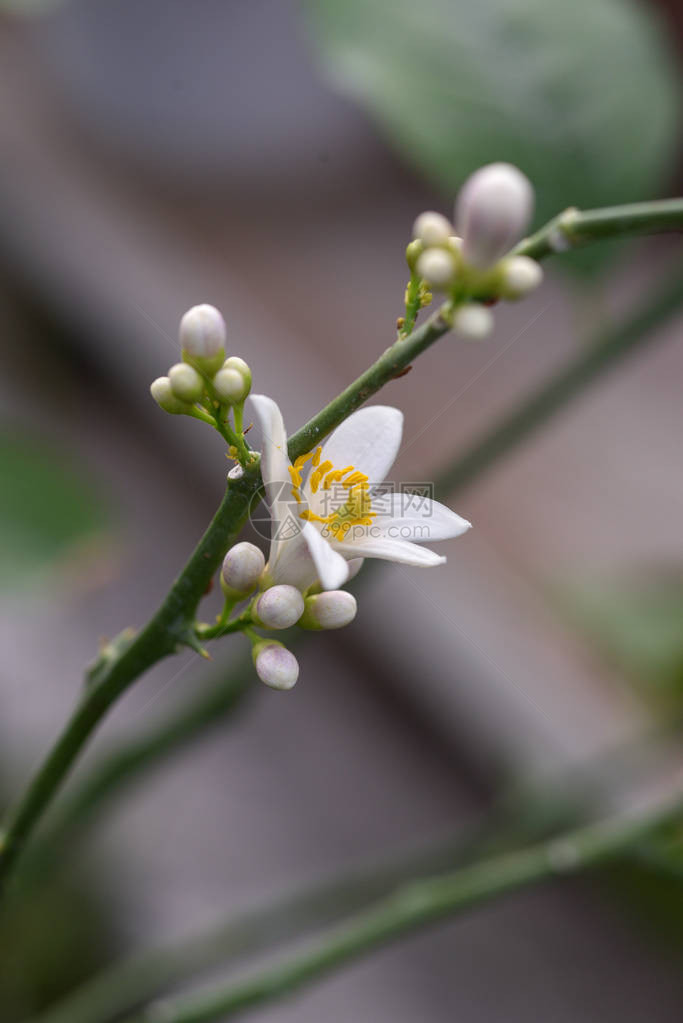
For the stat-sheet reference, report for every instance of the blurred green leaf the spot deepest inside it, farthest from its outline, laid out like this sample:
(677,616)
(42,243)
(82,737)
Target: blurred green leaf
(639,629)
(583,96)
(51,940)
(46,507)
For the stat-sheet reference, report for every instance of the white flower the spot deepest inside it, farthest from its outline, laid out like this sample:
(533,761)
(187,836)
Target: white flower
(338,513)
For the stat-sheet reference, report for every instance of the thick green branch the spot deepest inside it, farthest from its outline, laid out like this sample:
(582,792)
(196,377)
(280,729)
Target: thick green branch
(416,905)
(575,228)
(163,635)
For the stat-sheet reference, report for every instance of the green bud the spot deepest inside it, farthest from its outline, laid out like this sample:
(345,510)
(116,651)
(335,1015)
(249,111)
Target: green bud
(186,383)
(230,385)
(413,253)
(161,391)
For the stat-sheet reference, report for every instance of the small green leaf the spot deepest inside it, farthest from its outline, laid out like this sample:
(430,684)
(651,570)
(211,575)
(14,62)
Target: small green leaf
(581,95)
(46,507)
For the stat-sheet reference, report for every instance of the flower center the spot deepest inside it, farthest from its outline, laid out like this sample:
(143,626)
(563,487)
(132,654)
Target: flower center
(356,506)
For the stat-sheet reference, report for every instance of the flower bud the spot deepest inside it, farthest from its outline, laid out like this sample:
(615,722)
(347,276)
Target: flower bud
(278,607)
(186,383)
(230,385)
(330,610)
(473,321)
(413,252)
(493,209)
(202,338)
(275,664)
(432,229)
(436,267)
(520,276)
(234,362)
(161,391)
(242,568)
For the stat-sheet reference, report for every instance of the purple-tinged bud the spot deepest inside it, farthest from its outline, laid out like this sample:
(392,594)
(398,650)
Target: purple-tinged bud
(493,209)
(202,338)
(278,607)
(275,664)
(242,568)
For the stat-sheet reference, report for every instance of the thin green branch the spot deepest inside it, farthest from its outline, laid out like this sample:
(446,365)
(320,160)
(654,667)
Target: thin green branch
(415,905)
(575,228)
(163,635)
(171,626)
(134,981)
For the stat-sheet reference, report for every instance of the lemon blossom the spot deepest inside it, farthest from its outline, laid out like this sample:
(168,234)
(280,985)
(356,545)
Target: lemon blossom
(338,513)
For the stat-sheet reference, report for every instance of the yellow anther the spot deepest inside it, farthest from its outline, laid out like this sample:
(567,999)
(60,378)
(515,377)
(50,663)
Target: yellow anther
(318,474)
(316,457)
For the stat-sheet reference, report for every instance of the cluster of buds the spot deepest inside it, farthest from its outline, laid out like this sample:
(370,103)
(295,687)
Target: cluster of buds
(274,608)
(471,261)
(206,384)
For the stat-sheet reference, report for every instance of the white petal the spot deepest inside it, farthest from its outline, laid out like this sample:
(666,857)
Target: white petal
(419,519)
(293,564)
(369,439)
(331,568)
(274,462)
(390,550)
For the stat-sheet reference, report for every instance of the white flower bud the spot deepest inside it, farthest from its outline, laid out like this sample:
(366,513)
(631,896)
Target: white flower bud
(275,665)
(202,332)
(186,383)
(436,267)
(432,229)
(330,610)
(520,276)
(234,362)
(279,607)
(494,207)
(161,391)
(242,568)
(230,385)
(473,321)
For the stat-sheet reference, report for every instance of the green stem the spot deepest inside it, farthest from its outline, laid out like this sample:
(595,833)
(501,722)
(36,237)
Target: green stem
(162,636)
(417,904)
(413,304)
(574,228)
(132,982)
(171,623)
(221,694)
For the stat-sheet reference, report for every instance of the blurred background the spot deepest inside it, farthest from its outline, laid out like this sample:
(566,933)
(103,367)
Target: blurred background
(270,158)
